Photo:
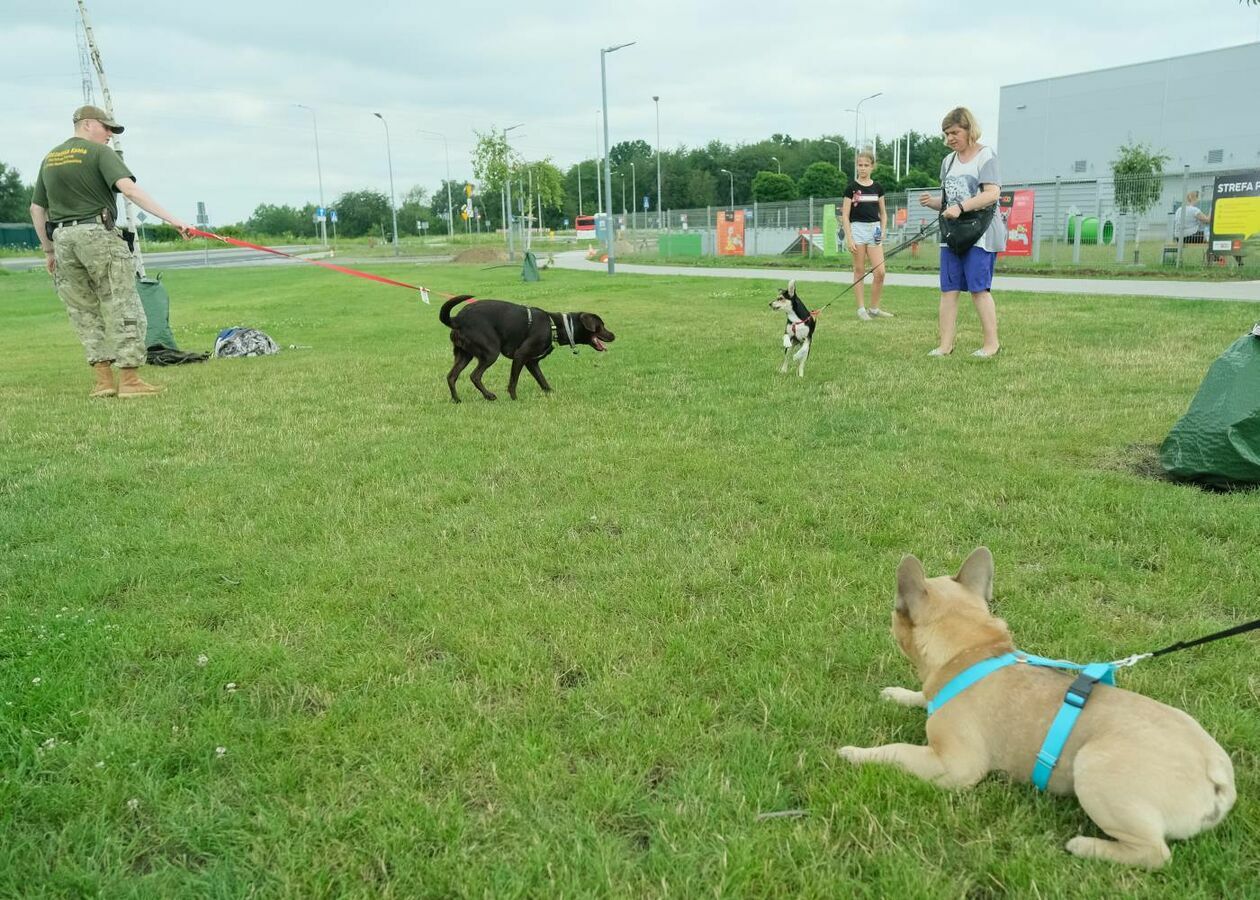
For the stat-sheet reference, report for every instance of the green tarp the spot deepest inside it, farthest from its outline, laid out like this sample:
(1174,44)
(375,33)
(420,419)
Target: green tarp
(529,271)
(157,309)
(1217,441)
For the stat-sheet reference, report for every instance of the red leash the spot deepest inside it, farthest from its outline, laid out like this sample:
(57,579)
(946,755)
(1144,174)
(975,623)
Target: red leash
(424,292)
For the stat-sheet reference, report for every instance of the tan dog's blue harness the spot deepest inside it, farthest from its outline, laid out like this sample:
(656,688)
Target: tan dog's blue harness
(1064,721)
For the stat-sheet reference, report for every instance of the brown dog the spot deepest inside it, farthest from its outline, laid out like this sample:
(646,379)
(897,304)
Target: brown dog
(1143,771)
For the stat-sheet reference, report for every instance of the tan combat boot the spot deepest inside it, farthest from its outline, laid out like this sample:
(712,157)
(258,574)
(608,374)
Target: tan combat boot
(104,386)
(130,385)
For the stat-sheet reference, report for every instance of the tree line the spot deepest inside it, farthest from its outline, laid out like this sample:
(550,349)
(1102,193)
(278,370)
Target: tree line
(778,168)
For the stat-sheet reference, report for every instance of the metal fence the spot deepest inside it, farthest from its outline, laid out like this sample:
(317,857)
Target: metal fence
(1089,223)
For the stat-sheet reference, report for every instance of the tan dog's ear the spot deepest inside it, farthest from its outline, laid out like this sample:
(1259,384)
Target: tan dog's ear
(911,587)
(976,573)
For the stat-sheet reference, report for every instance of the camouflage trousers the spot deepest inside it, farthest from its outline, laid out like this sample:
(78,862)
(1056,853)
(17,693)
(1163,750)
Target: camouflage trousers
(96,280)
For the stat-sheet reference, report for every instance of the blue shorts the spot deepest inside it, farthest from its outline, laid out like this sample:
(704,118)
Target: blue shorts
(971,272)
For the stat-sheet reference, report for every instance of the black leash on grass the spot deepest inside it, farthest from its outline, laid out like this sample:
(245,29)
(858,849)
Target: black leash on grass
(928,228)
(1185,645)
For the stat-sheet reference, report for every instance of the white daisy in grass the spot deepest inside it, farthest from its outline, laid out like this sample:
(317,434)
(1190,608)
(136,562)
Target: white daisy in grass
(202,659)
(220,752)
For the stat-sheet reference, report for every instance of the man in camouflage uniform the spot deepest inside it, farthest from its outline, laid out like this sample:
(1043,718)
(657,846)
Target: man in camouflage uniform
(74,210)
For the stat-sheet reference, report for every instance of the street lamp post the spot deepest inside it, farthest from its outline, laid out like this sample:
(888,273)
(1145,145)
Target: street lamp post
(507,188)
(857,109)
(603,83)
(660,204)
(450,208)
(319,173)
(779,165)
(732,177)
(634,198)
(579,171)
(839,164)
(623,194)
(389,155)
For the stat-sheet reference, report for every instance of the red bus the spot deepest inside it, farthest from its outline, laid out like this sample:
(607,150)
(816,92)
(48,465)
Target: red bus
(584,224)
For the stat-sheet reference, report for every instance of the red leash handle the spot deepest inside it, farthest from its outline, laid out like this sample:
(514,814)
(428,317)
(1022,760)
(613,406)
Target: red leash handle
(315,262)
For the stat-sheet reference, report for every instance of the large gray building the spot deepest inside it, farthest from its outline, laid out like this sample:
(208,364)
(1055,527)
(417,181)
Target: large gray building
(1202,110)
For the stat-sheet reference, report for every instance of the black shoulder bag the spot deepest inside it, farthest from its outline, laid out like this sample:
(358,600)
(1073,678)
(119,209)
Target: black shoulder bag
(961,234)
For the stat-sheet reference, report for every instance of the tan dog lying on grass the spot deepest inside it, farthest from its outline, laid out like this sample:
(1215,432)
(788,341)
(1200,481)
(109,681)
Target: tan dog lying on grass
(1143,771)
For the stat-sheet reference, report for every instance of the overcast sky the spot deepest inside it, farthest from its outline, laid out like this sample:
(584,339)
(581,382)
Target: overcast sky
(207,91)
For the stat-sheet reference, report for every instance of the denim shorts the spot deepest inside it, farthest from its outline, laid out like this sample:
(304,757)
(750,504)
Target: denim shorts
(865,233)
(971,272)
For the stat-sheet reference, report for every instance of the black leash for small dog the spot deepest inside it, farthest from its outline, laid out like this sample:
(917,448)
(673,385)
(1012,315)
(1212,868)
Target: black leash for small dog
(927,228)
(1185,645)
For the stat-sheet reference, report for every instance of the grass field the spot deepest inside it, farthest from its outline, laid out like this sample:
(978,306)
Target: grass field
(302,627)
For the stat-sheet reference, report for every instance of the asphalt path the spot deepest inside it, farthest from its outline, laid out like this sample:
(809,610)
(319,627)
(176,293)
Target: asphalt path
(1244,291)
(189,259)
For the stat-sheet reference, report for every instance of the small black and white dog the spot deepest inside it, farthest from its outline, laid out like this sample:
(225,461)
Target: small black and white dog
(799,331)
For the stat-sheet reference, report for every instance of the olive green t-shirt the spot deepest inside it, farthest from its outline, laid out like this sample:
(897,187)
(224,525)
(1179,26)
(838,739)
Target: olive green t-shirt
(76,180)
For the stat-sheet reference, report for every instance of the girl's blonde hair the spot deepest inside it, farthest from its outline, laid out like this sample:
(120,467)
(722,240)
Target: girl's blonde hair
(867,155)
(964,119)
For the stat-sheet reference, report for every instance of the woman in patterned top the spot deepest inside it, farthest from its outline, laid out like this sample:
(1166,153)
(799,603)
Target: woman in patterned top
(971,181)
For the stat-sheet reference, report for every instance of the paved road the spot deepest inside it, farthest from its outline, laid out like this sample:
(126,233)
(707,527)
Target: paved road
(188,259)
(1243,291)
(237,256)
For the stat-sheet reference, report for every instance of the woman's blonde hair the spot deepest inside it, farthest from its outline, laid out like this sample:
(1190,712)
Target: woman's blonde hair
(964,119)
(1192,197)
(867,155)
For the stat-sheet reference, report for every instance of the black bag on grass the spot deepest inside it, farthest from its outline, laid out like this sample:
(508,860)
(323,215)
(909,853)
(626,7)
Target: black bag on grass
(1217,441)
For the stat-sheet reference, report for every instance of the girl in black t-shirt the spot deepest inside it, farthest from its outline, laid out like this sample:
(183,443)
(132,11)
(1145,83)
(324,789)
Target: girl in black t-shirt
(865,221)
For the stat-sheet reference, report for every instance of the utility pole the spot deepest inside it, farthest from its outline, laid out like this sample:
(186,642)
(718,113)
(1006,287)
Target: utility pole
(129,212)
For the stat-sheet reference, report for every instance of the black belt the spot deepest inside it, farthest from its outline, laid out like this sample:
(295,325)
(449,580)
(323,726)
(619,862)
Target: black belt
(94,220)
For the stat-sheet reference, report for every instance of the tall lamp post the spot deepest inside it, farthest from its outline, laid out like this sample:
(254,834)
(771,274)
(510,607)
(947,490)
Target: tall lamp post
(839,164)
(732,177)
(634,197)
(856,110)
(319,173)
(450,208)
(775,160)
(507,187)
(389,155)
(603,84)
(660,204)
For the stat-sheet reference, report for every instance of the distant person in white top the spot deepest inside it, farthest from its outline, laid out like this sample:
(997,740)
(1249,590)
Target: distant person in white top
(1190,220)
(971,181)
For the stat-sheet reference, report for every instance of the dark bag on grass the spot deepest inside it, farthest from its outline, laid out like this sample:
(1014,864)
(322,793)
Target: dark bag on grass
(1217,441)
(961,234)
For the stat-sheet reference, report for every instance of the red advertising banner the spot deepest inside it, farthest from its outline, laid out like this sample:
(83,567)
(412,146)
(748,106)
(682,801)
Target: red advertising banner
(730,232)
(1016,209)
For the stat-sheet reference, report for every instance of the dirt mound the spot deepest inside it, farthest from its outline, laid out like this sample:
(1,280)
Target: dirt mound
(481,255)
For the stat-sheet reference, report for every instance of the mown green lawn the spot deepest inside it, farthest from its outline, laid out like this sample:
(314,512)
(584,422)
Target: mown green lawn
(576,645)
